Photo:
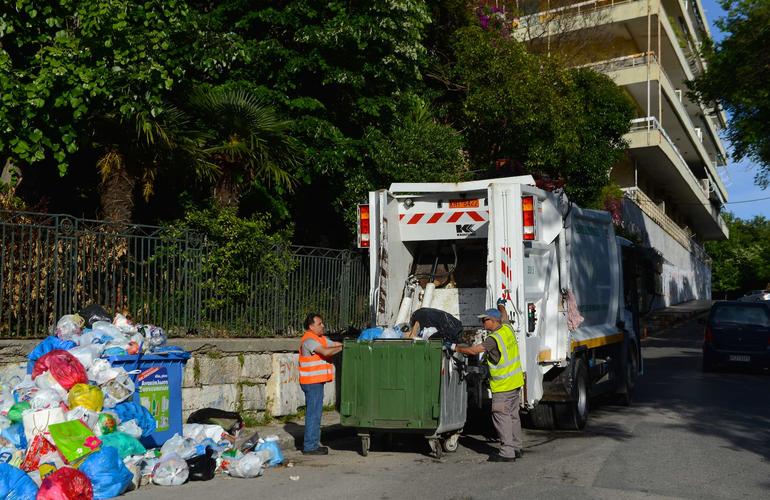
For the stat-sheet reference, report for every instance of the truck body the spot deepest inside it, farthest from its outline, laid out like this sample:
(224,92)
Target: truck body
(460,247)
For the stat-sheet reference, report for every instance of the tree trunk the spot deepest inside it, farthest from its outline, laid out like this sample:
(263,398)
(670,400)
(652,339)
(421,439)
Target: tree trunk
(117,187)
(227,192)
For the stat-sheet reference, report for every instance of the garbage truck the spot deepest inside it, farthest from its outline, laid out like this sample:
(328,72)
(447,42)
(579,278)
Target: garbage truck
(465,247)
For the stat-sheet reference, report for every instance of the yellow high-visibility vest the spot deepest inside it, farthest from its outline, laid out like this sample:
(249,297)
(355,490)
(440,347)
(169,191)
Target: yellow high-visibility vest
(507,374)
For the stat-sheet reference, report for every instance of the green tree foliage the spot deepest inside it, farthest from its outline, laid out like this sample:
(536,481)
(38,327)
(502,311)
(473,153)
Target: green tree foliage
(738,75)
(529,114)
(65,64)
(741,263)
(244,140)
(343,72)
(240,254)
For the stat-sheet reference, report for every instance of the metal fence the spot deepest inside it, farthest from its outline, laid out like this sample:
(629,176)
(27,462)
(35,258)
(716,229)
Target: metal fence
(51,265)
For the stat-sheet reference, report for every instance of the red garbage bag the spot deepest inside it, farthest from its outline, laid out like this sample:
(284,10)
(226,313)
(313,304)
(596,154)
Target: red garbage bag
(64,367)
(66,484)
(38,448)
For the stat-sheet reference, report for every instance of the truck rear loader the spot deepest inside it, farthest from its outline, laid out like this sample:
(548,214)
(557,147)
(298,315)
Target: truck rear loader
(461,247)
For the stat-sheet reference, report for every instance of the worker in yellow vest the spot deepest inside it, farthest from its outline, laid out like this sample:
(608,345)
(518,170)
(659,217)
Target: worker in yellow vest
(315,370)
(505,381)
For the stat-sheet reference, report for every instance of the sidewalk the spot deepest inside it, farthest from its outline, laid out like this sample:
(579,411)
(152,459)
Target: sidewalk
(668,317)
(290,434)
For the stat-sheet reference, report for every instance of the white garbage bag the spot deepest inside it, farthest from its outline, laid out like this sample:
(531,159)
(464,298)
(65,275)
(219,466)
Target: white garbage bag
(180,446)
(171,470)
(44,399)
(131,428)
(199,432)
(249,465)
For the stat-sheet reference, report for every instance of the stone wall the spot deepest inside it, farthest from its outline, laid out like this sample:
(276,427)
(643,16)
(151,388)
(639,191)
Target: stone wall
(245,375)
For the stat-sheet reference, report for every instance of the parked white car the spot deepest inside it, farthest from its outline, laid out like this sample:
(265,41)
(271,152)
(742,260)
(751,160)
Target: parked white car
(756,296)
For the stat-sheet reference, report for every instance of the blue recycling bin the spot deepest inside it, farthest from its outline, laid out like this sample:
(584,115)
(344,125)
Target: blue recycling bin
(159,389)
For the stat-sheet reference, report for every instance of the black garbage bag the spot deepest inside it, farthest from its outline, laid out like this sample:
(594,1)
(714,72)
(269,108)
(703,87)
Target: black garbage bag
(230,421)
(203,467)
(449,328)
(94,313)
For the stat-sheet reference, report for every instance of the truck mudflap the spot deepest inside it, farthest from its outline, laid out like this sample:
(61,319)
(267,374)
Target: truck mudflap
(557,385)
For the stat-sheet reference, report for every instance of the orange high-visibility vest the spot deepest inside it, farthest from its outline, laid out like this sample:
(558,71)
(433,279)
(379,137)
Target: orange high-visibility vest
(314,369)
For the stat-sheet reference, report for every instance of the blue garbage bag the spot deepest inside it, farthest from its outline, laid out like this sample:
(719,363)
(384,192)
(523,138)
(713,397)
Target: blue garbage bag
(15,484)
(47,345)
(371,333)
(109,476)
(114,351)
(15,435)
(275,450)
(130,410)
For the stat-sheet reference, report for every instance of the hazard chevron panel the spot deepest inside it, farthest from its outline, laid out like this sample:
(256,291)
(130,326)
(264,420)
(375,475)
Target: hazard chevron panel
(458,224)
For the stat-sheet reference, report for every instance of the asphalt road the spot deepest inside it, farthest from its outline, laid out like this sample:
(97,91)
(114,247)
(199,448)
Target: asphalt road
(687,435)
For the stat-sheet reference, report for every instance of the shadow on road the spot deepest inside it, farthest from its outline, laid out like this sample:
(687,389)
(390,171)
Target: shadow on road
(732,405)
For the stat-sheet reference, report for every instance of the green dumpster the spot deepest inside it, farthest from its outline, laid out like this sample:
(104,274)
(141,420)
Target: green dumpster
(406,386)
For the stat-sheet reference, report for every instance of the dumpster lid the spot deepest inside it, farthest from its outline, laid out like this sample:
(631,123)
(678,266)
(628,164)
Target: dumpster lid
(153,358)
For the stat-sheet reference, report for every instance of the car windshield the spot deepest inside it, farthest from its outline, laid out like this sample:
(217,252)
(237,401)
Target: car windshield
(741,315)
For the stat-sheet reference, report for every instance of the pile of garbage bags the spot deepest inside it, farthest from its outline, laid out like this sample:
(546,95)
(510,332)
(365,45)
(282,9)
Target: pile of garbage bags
(71,428)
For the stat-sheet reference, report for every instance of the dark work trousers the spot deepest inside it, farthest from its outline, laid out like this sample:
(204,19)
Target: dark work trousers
(505,417)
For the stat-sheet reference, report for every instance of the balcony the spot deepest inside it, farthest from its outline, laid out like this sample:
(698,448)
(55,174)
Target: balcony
(651,146)
(617,25)
(696,146)
(659,217)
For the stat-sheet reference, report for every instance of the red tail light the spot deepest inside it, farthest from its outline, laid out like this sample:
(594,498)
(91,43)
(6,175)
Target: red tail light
(363,226)
(708,337)
(528,216)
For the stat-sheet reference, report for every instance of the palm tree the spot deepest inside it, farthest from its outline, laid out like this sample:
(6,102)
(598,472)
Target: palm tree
(157,141)
(246,140)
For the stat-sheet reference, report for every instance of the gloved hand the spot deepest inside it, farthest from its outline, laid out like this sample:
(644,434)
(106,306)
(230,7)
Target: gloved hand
(501,301)
(449,346)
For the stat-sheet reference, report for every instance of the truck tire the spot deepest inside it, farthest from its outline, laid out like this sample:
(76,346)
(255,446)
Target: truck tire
(573,415)
(540,417)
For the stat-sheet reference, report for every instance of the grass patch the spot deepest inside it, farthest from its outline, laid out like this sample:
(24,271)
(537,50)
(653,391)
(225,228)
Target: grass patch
(256,419)
(196,371)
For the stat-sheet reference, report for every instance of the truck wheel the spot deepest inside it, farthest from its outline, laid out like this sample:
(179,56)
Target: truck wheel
(625,395)
(541,417)
(574,414)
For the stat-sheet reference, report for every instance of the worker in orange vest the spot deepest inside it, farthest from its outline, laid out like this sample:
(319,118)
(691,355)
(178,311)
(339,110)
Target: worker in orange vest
(315,370)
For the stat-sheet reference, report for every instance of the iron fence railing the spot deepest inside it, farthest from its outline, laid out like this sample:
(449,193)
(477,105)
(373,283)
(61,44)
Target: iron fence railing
(51,265)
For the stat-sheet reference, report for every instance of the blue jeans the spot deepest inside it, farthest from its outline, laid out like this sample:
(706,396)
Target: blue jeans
(314,407)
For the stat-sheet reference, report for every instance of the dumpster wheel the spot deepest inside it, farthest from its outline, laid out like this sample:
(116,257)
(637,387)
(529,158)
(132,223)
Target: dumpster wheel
(435,446)
(366,442)
(450,444)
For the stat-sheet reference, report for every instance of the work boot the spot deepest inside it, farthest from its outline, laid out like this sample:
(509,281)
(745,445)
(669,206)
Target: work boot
(321,450)
(498,458)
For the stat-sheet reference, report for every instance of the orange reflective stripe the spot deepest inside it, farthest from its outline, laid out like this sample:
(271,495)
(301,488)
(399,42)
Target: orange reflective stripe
(314,369)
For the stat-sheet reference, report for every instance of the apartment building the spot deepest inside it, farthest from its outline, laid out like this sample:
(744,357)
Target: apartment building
(673,193)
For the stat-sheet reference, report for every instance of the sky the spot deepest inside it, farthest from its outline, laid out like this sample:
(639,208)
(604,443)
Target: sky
(737,177)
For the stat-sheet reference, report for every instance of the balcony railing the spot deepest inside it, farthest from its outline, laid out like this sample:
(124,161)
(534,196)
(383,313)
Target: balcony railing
(576,9)
(618,63)
(652,123)
(659,217)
